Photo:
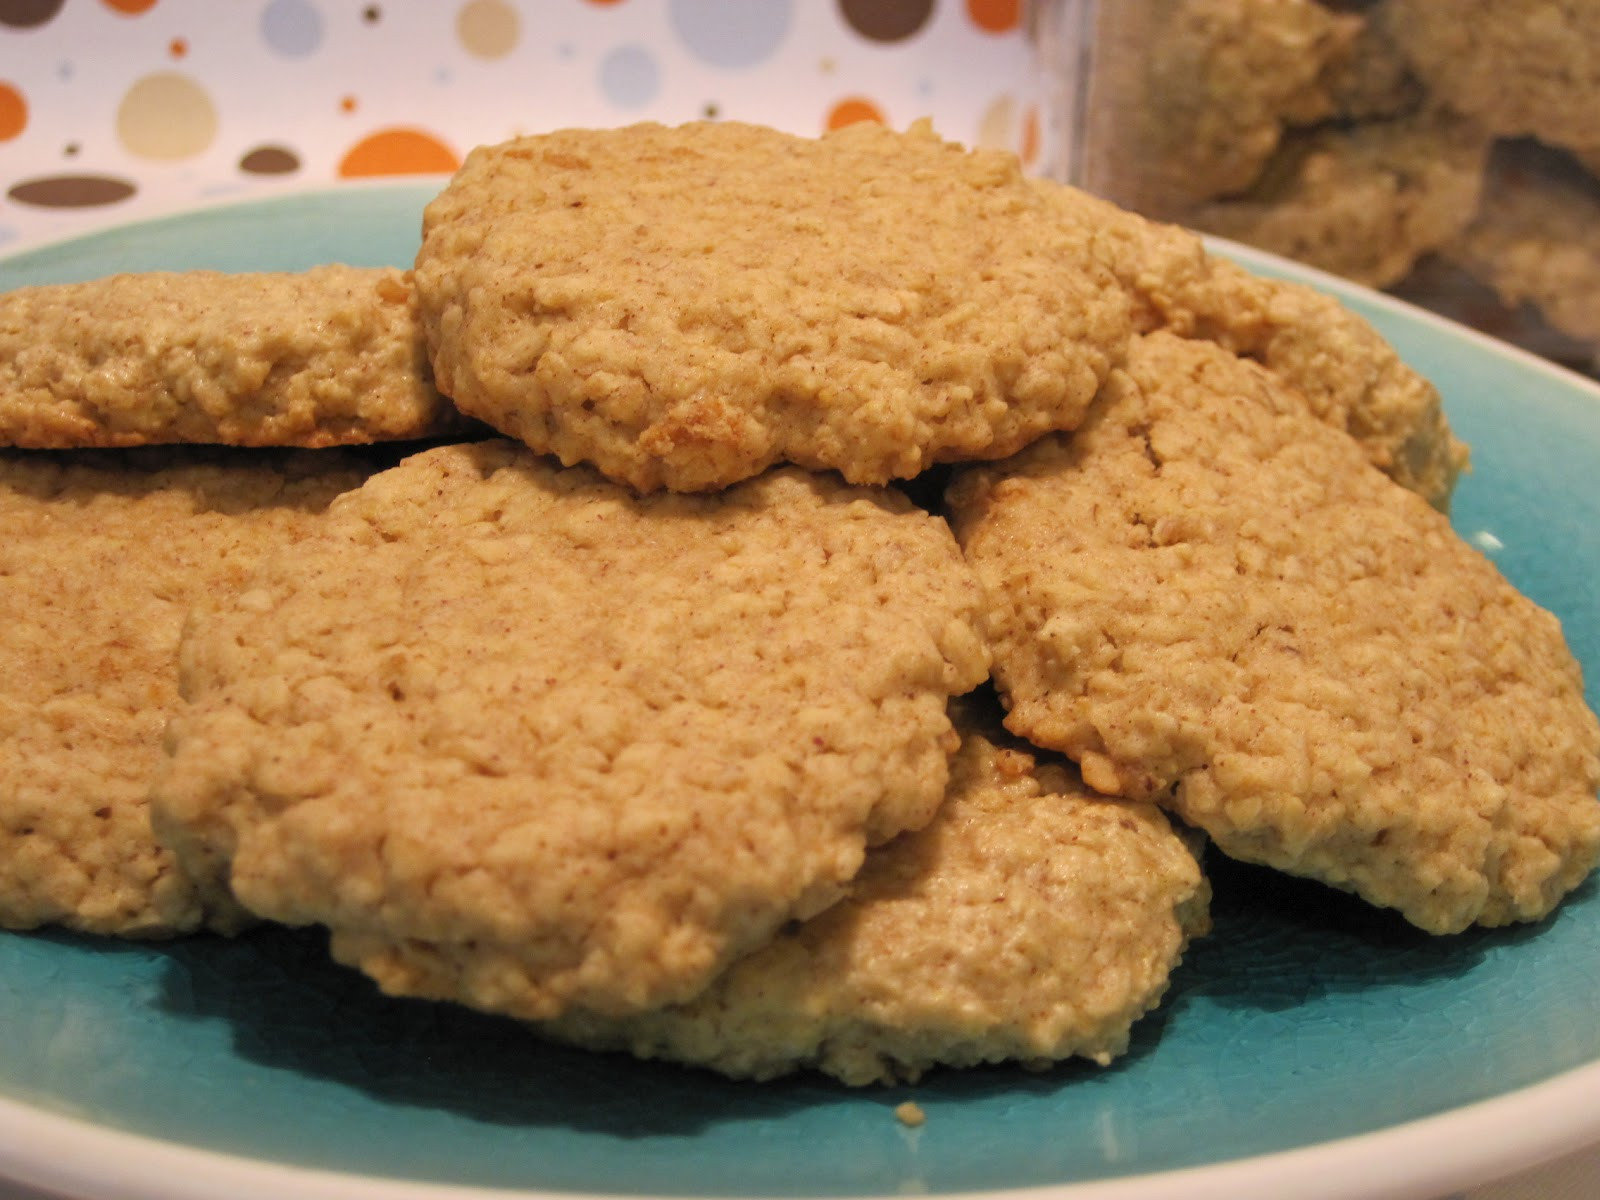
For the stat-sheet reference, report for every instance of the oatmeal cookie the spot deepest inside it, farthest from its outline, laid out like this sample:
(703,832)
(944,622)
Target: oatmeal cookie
(329,356)
(1536,238)
(1364,201)
(1518,67)
(683,307)
(1031,920)
(525,740)
(1207,589)
(1353,379)
(1224,79)
(103,556)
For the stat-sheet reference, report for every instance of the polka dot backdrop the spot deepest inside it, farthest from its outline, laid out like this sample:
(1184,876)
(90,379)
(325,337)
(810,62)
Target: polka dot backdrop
(112,110)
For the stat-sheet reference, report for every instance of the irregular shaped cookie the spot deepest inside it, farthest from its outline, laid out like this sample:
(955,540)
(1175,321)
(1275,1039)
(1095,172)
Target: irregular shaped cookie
(684,307)
(1031,920)
(325,357)
(1206,587)
(1352,378)
(525,740)
(1364,201)
(1222,80)
(102,558)
(1536,238)
(1519,67)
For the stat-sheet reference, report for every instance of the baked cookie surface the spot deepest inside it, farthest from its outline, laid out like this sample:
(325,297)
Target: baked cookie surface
(1352,378)
(523,739)
(1206,588)
(683,307)
(1225,79)
(1031,920)
(1365,201)
(324,357)
(1519,67)
(102,558)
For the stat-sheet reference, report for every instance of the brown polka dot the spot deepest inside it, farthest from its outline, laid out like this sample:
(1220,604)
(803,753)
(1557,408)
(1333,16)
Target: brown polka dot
(25,14)
(71,191)
(270,160)
(886,20)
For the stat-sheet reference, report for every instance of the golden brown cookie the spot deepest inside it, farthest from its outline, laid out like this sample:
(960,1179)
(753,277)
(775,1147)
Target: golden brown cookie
(1363,201)
(1031,920)
(523,739)
(683,307)
(1205,587)
(1352,378)
(329,356)
(102,558)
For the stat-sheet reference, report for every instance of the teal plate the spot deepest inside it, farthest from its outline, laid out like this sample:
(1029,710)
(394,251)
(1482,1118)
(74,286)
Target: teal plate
(1310,1047)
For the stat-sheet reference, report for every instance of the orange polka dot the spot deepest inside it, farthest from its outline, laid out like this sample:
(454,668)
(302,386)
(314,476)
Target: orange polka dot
(1030,137)
(995,16)
(398,152)
(853,109)
(347,104)
(604,3)
(130,8)
(178,47)
(13,112)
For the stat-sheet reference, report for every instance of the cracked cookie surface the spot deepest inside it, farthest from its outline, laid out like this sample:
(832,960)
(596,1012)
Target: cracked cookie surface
(523,739)
(1031,920)
(1204,587)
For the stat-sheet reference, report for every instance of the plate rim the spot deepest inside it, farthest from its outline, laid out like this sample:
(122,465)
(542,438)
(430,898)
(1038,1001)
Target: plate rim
(1416,1160)
(1468,1145)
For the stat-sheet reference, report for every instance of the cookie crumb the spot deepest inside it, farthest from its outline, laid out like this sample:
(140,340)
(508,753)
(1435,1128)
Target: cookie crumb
(910,1114)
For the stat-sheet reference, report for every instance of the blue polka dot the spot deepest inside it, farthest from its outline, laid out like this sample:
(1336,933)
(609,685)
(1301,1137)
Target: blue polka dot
(292,28)
(731,35)
(629,76)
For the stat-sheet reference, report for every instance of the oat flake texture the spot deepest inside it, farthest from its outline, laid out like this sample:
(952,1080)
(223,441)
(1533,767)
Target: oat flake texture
(1032,920)
(1207,588)
(102,558)
(525,740)
(683,307)
(329,356)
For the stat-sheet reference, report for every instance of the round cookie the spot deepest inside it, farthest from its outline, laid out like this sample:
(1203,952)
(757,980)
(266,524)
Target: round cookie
(103,557)
(1364,201)
(525,740)
(329,356)
(1351,377)
(1205,587)
(1518,67)
(1031,920)
(683,307)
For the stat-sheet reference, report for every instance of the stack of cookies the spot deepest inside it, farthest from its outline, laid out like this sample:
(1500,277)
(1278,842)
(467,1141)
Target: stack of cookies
(1448,150)
(875,577)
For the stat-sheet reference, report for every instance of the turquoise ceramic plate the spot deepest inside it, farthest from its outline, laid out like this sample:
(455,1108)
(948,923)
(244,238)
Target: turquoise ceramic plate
(1311,1047)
